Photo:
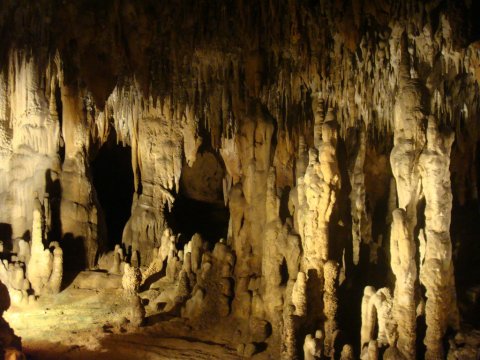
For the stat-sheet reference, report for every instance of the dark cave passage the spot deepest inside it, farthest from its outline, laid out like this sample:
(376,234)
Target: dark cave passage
(190,216)
(113,181)
(477,165)
(199,206)
(465,228)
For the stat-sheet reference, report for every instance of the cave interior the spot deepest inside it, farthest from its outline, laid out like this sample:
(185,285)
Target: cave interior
(227,179)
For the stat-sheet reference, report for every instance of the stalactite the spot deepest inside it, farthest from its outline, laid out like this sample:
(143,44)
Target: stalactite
(361,222)
(408,138)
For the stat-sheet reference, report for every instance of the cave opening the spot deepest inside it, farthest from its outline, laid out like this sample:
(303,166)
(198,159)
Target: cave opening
(199,206)
(114,183)
(284,276)
(190,216)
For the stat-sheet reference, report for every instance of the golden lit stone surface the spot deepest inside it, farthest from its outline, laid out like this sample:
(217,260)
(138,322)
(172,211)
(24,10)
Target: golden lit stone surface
(228,179)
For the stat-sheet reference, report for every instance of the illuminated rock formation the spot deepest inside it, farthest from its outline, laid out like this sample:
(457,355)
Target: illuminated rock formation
(79,215)
(361,222)
(137,311)
(312,347)
(330,303)
(320,184)
(157,162)
(44,269)
(299,296)
(289,335)
(328,145)
(402,250)
(436,267)
(376,312)
(347,353)
(56,276)
(161,254)
(131,280)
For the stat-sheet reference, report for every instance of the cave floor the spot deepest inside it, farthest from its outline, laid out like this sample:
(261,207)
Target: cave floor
(88,324)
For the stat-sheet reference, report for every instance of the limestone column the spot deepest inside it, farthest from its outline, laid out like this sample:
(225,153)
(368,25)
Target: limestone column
(436,267)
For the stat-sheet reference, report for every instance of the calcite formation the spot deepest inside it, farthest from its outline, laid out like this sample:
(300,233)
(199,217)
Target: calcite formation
(330,303)
(326,149)
(34,269)
(312,347)
(376,313)
(436,267)
(361,219)
(44,269)
(316,197)
(402,250)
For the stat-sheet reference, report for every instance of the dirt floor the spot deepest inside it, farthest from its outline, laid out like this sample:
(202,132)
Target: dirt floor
(91,324)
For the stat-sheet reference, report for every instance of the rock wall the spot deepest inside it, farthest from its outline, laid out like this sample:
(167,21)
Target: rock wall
(304,102)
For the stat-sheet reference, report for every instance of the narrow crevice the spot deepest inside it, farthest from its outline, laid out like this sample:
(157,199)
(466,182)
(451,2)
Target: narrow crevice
(113,181)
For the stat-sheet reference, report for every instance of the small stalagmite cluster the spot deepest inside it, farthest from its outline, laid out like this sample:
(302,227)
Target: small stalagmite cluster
(302,175)
(34,268)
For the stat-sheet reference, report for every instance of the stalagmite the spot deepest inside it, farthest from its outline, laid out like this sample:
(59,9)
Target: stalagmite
(183,287)
(402,252)
(312,347)
(280,260)
(330,303)
(299,297)
(55,281)
(289,334)
(376,313)
(39,266)
(137,311)
(44,269)
(197,251)
(373,353)
(436,267)
(161,254)
(347,353)
(317,195)
(118,258)
(131,280)
(24,251)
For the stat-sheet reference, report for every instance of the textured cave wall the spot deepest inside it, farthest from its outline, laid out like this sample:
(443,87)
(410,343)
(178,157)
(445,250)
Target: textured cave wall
(319,111)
